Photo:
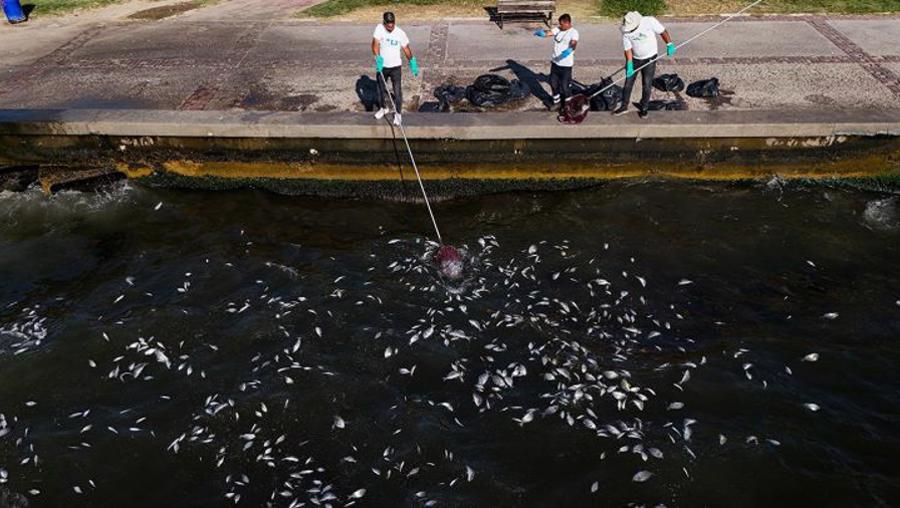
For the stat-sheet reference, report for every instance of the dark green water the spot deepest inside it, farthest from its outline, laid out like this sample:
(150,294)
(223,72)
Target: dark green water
(251,348)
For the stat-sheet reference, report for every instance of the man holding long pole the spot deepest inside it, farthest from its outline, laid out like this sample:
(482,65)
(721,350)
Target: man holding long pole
(387,41)
(639,38)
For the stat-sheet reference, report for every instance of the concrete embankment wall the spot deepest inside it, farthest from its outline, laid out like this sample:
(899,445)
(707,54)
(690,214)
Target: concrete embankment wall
(352,154)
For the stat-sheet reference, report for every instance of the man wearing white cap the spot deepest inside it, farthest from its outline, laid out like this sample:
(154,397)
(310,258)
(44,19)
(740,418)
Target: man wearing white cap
(639,38)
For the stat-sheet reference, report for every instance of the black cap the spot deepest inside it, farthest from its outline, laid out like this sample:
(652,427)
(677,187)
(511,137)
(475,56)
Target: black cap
(388,17)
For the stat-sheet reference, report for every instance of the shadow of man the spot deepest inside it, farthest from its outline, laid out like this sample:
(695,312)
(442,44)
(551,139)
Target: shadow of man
(367,90)
(531,79)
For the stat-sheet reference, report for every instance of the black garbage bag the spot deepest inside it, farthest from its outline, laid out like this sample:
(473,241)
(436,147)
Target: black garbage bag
(367,91)
(668,83)
(609,99)
(704,88)
(448,95)
(489,90)
(518,90)
(612,96)
(666,105)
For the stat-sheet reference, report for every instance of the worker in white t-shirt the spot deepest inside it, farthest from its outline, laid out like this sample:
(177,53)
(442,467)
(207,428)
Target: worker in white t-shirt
(387,42)
(565,39)
(639,38)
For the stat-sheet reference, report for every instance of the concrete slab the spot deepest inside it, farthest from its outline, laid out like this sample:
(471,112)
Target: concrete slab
(19,47)
(736,124)
(877,37)
(480,41)
(788,87)
(161,40)
(106,87)
(322,47)
(749,86)
(761,38)
(286,88)
(894,67)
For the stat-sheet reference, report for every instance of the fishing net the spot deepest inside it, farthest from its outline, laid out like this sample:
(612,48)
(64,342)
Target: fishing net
(575,110)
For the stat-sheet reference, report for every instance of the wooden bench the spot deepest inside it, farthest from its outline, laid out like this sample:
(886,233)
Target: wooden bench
(525,10)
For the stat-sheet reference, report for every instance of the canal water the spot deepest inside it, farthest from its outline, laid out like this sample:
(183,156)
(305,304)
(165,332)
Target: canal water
(655,343)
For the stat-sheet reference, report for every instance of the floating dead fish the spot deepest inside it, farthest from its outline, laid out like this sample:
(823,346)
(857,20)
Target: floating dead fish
(641,476)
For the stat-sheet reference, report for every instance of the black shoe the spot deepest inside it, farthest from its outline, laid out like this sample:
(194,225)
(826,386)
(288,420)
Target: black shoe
(621,111)
(643,113)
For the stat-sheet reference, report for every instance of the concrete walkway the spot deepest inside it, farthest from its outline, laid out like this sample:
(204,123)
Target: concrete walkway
(255,55)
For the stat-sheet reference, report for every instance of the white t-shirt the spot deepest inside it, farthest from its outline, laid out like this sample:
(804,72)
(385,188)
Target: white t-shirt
(642,41)
(391,43)
(561,42)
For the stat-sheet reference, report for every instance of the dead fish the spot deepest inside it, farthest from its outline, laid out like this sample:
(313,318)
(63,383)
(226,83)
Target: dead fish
(812,357)
(641,476)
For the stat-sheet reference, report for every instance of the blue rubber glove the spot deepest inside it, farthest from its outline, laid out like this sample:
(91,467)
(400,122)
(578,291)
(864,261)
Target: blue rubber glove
(379,63)
(540,33)
(414,66)
(670,49)
(629,69)
(565,54)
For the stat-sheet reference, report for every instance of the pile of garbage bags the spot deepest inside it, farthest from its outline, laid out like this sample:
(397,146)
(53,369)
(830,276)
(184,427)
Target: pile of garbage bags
(487,91)
(703,89)
(608,100)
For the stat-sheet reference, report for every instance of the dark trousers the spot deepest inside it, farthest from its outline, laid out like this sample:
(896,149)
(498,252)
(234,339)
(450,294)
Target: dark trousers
(647,74)
(394,74)
(560,80)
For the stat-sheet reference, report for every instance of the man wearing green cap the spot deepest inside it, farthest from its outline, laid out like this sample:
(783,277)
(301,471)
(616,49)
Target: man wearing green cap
(639,38)
(387,42)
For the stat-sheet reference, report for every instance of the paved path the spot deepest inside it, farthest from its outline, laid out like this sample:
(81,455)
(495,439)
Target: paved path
(255,55)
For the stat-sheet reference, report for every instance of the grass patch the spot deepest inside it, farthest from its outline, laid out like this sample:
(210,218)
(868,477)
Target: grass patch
(332,8)
(835,6)
(435,9)
(45,7)
(692,7)
(50,7)
(617,8)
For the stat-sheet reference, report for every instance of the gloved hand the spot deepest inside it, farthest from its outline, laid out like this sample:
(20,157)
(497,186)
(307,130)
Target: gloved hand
(414,66)
(540,33)
(670,49)
(565,54)
(379,63)
(629,69)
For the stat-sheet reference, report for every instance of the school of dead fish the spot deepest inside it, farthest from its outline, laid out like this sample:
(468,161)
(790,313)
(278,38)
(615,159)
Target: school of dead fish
(576,348)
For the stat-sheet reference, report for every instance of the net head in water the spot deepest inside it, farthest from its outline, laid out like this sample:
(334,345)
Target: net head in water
(449,261)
